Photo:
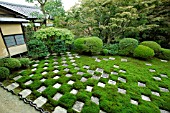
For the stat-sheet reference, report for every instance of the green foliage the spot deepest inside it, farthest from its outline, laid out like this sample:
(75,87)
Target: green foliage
(60,46)
(49,91)
(164,54)
(127,46)
(82,96)
(67,100)
(91,45)
(52,36)
(90,107)
(25,62)
(4,72)
(64,89)
(10,63)
(143,52)
(35,85)
(107,106)
(50,82)
(37,49)
(153,45)
(105,51)
(78,85)
(113,48)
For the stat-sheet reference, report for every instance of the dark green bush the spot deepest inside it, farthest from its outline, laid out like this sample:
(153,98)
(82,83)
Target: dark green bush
(1,62)
(4,72)
(105,51)
(127,46)
(143,52)
(164,54)
(113,48)
(52,36)
(153,45)
(37,49)
(11,63)
(25,62)
(90,45)
(60,46)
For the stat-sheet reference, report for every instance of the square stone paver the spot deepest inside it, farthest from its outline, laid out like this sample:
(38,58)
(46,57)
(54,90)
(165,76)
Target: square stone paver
(63,62)
(140,84)
(29,82)
(146,98)
(101,84)
(101,111)
(45,68)
(17,78)
(95,100)
(122,71)
(70,82)
(123,91)
(77,68)
(96,77)
(164,61)
(90,72)
(116,66)
(77,56)
(42,80)
(152,70)
(65,65)
(114,73)
(57,85)
(56,77)
(45,63)
(111,58)
(55,71)
(31,75)
(44,73)
(157,78)
(164,111)
(147,64)
(112,82)
(74,64)
(155,93)
(34,69)
(122,79)
(25,93)
(80,73)
(86,67)
(72,60)
(66,70)
(41,89)
(68,75)
(97,60)
(164,75)
(163,89)
(74,92)
(12,86)
(104,75)
(40,101)
(123,60)
(99,70)
(78,106)
(57,96)
(83,79)
(134,102)
(70,57)
(55,63)
(35,65)
(89,88)
(59,109)
(56,66)
(105,59)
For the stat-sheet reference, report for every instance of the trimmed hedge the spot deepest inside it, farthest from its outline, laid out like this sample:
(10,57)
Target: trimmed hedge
(37,49)
(143,52)
(127,46)
(4,72)
(11,63)
(25,62)
(113,49)
(153,45)
(164,54)
(105,51)
(90,45)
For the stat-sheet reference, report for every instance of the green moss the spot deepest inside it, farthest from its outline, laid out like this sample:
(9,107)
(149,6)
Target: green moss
(78,85)
(65,89)
(83,96)
(90,107)
(49,91)
(35,85)
(50,82)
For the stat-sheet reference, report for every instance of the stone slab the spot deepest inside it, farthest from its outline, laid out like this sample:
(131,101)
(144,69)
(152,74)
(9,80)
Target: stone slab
(112,82)
(89,88)
(17,78)
(40,101)
(101,84)
(57,96)
(146,98)
(25,93)
(123,91)
(70,82)
(57,85)
(122,79)
(95,100)
(134,102)
(74,92)
(29,82)
(12,86)
(41,89)
(59,109)
(78,106)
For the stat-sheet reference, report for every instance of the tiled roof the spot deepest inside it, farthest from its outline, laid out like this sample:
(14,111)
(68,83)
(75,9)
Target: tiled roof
(21,9)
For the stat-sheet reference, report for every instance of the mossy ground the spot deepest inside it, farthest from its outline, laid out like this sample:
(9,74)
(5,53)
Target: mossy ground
(110,100)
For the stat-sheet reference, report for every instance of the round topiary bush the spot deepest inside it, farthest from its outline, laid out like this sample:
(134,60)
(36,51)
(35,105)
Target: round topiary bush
(90,45)
(164,54)
(25,62)
(11,63)
(4,72)
(105,51)
(143,52)
(127,46)
(153,45)
(37,49)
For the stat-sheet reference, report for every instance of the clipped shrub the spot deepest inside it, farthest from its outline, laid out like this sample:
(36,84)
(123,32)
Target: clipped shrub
(90,45)
(127,46)
(11,63)
(113,48)
(153,45)
(37,49)
(60,46)
(164,54)
(143,52)
(1,62)
(4,72)
(105,51)
(25,62)
(52,36)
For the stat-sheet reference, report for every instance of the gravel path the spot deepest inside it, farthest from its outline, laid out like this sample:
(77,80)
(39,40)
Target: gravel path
(10,103)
